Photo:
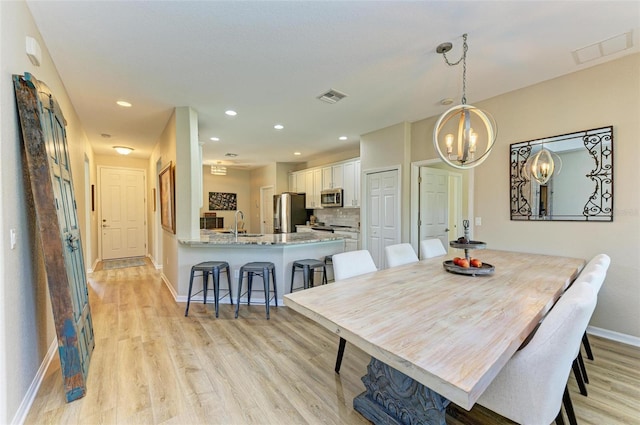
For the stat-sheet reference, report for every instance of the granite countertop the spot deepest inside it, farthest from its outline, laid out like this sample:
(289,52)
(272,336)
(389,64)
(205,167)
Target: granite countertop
(208,238)
(335,228)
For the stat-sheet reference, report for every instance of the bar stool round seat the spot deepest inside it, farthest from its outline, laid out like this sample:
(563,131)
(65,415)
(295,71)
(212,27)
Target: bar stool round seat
(262,269)
(308,267)
(206,268)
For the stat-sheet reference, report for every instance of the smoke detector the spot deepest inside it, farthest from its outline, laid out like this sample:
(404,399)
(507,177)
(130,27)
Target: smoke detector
(332,96)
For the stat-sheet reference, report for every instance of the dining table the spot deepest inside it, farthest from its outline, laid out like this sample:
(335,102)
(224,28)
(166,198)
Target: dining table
(437,336)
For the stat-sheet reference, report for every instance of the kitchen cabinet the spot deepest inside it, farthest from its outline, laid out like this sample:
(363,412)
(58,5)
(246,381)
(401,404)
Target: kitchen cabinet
(332,176)
(297,182)
(313,185)
(343,175)
(351,184)
(351,240)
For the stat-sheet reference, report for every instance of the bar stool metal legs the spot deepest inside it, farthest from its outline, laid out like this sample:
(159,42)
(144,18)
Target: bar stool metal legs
(262,269)
(206,268)
(308,268)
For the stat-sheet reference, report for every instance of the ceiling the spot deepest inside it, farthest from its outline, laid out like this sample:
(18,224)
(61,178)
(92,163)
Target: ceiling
(269,61)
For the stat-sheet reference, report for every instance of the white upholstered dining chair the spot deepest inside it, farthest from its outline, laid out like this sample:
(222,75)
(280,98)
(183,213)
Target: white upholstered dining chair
(400,254)
(430,248)
(346,265)
(532,385)
(594,273)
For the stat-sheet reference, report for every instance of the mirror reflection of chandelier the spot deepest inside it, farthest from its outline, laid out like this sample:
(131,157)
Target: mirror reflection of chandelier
(464,135)
(542,165)
(218,169)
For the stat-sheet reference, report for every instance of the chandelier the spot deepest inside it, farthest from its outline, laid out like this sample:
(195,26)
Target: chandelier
(542,165)
(464,135)
(218,169)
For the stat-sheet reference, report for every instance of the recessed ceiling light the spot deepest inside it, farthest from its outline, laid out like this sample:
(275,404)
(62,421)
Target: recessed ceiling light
(278,126)
(297,153)
(342,138)
(124,104)
(215,139)
(231,113)
(446,101)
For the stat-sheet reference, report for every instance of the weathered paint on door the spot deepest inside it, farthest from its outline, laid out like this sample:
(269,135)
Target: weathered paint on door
(44,137)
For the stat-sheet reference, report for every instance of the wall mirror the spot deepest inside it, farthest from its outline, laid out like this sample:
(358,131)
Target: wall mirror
(582,188)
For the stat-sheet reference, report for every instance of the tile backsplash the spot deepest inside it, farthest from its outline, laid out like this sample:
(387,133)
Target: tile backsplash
(339,216)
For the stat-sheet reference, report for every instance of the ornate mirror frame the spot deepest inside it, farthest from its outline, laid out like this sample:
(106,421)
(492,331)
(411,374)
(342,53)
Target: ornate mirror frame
(531,201)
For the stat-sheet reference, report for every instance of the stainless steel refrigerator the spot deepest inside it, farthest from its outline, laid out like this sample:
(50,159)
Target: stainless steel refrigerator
(288,211)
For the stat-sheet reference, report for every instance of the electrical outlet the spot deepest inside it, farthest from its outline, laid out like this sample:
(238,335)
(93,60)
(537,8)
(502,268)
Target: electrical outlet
(478,221)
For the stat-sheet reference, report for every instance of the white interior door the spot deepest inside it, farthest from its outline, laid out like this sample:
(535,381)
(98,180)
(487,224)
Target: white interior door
(266,209)
(383,214)
(434,204)
(122,212)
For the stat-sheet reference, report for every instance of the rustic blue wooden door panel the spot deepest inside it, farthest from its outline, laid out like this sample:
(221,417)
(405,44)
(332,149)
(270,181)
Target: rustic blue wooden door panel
(44,138)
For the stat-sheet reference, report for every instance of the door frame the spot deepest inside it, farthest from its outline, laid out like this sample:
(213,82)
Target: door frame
(364,204)
(99,205)
(415,199)
(262,220)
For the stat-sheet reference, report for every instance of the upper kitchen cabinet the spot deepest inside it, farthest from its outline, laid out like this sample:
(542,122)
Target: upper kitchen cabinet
(351,184)
(297,182)
(313,184)
(332,176)
(344,175)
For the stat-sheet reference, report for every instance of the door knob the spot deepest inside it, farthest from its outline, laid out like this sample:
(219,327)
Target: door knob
(446,230)
(105,225)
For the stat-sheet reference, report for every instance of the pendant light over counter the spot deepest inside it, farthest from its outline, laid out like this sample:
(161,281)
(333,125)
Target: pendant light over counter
(464,135)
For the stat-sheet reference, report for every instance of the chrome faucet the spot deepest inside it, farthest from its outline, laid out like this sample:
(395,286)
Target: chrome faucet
(235,224)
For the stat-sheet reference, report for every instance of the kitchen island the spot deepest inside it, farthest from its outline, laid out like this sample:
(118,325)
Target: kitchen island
(281,249)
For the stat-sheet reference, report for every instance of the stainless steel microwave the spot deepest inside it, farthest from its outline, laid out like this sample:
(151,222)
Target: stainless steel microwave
(331,198)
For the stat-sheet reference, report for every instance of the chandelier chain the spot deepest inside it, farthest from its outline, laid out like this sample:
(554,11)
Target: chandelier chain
(463,59)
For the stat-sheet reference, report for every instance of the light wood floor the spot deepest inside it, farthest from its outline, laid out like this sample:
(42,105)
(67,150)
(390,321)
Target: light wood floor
(152,365)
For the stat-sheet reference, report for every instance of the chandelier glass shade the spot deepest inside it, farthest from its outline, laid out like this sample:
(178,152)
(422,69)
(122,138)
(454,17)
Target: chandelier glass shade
(542,166)
(464,135)
(218,169)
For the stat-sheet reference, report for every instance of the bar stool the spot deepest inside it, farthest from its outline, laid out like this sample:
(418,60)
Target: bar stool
(308,267)
(328,261)
(214,268)
(261,269)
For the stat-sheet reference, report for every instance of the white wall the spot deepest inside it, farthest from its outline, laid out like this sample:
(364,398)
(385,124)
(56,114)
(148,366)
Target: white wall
(26,321)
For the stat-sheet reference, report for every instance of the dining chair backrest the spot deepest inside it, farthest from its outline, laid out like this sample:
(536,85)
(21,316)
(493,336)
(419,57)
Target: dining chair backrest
(400,254)
(595,271)
(530,387)
(352,263)
(595,278)
(430,248)
(600,260)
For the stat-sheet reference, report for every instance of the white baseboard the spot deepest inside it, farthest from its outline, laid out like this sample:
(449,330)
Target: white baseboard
(156,265)
(32,391)
(93,267)
(614,336)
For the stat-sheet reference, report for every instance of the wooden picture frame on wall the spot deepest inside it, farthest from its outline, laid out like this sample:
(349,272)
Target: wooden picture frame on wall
(166,184)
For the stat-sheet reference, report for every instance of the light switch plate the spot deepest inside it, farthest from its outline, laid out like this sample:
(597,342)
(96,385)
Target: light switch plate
(12,237)
(478,221)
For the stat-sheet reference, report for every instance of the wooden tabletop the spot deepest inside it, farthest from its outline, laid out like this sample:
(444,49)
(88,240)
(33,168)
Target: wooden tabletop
(452,333)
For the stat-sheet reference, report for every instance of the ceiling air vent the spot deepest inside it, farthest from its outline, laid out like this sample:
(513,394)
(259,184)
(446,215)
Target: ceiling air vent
(332,96)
